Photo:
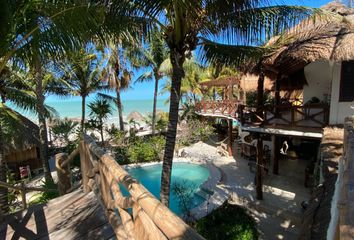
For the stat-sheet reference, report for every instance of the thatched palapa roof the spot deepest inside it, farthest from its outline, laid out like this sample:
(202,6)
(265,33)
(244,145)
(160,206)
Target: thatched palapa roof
(222,82)
(136,116)
(326,38)
(25,137)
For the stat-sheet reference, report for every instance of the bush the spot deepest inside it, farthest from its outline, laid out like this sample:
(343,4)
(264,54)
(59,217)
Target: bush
(229,222)
(195,131)
(146,150)
(44,197)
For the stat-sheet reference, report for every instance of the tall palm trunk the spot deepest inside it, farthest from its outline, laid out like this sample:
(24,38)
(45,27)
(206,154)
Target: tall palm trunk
(3,191)
(83,108)
(120,109)
(177,60)
(101,130)
(43,136)
(157,77)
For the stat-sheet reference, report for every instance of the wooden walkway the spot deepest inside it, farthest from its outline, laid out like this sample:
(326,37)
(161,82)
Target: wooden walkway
(76,215)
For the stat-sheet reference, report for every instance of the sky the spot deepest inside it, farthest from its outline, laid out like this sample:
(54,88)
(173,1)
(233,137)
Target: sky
(142,91)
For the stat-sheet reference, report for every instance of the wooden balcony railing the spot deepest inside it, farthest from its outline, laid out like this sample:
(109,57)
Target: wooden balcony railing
(312,115)
(137,216)
(227,108)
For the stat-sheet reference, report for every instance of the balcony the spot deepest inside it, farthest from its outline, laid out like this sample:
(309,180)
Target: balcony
(223,108)
(311,117)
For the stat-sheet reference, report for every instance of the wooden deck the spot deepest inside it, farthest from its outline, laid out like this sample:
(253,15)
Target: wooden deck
(76,215)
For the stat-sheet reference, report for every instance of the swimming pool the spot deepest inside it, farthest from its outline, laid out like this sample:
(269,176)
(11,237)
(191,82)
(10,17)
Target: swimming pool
(184,175)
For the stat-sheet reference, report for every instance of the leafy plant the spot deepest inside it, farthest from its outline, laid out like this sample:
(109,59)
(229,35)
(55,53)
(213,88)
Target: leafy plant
(100,110)
(146,150)
(229,222)
(62,129)
(44,197)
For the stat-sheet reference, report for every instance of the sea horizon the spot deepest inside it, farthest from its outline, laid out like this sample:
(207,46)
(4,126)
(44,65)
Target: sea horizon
(71,108)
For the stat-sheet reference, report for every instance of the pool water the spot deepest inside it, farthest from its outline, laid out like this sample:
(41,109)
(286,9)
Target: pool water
(187,177)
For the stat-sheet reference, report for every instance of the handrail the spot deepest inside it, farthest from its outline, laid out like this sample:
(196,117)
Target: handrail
(288,115)
(150,219)
(23,189)
(228,108)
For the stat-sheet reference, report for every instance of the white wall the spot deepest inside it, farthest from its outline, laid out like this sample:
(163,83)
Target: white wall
(339,110)
(318,75)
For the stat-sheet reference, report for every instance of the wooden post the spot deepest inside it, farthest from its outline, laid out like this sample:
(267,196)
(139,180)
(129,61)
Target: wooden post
(84,162)
(276,150)
(23,195)
(259,169)
(229,147)
(63,172)
(260,91)
(277,96)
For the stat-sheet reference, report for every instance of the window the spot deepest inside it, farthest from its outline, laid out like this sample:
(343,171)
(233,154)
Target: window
(346,92)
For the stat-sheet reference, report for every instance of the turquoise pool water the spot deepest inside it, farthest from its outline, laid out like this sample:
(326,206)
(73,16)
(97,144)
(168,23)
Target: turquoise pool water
(184,175)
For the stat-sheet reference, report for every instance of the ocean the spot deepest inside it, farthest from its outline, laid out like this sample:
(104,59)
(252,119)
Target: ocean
(71,108)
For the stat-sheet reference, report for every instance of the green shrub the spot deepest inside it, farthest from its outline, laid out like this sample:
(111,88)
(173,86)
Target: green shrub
(146,150)
(229,222)
(44,197)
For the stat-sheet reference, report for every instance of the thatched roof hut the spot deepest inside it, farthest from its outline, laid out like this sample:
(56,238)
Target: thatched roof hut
(28,138)
(222,82)
(249,83)
(136,116)
(330,37)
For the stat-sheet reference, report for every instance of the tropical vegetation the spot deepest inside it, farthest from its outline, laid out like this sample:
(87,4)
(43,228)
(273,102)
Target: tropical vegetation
(46,48)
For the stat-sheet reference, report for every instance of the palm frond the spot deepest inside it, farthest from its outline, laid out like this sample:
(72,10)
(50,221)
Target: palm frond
(107,97)
(231,55)
(145,77)
(261,23)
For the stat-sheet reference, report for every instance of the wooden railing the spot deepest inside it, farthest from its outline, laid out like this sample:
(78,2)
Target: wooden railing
(226,108)
(312,115)
(137,216)
(23,190)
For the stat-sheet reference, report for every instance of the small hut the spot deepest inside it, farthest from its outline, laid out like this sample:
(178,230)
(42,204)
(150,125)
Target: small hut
(23,150)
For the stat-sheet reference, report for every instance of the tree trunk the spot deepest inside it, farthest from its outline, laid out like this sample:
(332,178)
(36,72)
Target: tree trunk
(101,131)
(83,109)
(177,60)
(153,123)
(120,110)
(259,169)
(260,93)
(43,137)
(3,191)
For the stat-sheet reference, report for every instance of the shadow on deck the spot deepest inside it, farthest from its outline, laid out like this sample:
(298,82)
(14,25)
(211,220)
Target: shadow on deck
(76,215)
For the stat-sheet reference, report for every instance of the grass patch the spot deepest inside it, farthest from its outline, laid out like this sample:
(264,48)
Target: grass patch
(229,222)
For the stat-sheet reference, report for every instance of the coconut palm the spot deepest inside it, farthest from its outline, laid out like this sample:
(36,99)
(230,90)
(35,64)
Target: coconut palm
(186,24)
(100,110)
(117,74)
(82,71)
(153,56)
(14,91)
(194,74)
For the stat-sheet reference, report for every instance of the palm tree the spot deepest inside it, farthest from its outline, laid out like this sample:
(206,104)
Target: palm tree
(12,90)
(194,74)
(117,75)
(100,110)
(153,57)
(186,24)
(82,71)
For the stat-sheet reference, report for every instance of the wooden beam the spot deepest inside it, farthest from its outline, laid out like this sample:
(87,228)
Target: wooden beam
(277,95)
(229,146)
(276,155)
(260,93)
(259,169)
